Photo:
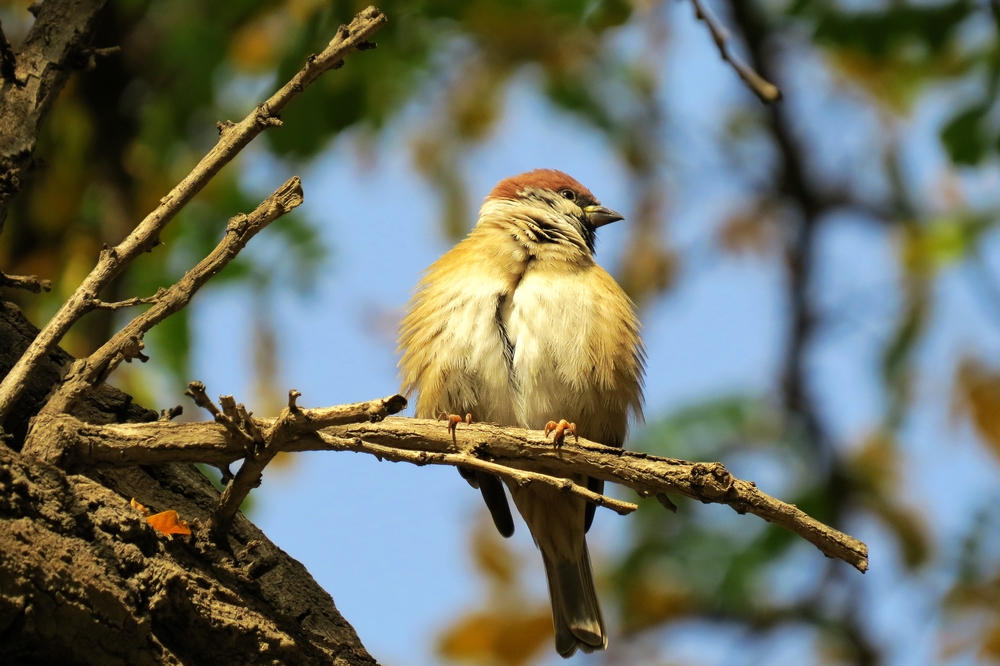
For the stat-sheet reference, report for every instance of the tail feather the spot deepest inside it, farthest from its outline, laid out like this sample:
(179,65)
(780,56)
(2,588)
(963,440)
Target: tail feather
(576,614)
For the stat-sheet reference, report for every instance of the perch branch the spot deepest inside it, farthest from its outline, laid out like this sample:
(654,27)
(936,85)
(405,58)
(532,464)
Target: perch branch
(766,91)
(233,138)
(67,442)
(127,343)
(261,447)
(31,283)
(516,477)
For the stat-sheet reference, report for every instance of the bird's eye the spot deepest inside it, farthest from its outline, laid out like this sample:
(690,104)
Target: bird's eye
(568,194)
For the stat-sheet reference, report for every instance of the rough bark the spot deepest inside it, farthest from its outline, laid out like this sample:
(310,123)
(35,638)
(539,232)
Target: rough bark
(56,45)
(84,579)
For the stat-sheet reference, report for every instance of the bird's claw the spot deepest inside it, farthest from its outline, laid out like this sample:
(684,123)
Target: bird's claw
(559,431)
(453,420)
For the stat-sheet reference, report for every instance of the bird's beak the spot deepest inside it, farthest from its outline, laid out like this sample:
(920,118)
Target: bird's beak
(598,216)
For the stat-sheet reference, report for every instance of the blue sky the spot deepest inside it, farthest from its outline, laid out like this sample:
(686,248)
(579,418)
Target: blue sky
(389,541)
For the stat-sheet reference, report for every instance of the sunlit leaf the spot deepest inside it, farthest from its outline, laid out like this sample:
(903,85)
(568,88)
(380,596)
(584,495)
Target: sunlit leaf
(169,522)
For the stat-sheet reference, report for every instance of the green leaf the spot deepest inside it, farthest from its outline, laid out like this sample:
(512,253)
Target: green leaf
(964,137)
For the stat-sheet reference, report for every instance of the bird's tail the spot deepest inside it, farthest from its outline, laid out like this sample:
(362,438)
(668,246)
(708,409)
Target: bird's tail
(576,613)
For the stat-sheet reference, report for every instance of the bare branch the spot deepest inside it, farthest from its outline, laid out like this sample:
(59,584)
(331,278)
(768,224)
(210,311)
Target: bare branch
(31,283)
(766,91)
(172,413)
(127,303)
(127,343)
(233,138)
(291,424)
(200,396)
(65,441)
(515,477)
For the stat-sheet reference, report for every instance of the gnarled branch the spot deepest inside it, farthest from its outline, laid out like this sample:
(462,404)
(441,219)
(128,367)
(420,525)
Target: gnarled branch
(509,452)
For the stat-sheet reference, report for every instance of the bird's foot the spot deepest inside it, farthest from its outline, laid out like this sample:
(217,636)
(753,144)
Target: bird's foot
(453,420)
(559,431)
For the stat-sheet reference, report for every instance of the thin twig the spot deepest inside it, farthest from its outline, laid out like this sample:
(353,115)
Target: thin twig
(127,303)
(766,91)
(65,441)
(515,477)
(127,344)
(172,413)
(292,422)
(146,235)
(31,283)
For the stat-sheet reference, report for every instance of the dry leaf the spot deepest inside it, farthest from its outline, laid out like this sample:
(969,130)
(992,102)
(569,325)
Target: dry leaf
(169,522)
(140,508)
(977,393)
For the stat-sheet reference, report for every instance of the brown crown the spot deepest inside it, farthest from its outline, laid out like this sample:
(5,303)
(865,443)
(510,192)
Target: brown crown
(542,179)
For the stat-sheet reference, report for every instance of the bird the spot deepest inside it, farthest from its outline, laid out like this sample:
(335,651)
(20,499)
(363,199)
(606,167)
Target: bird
(518,325)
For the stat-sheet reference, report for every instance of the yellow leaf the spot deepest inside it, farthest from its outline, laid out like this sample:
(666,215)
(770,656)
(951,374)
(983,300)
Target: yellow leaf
(493,557)
(977,393)
(508,638)
(990,646)
(650,602)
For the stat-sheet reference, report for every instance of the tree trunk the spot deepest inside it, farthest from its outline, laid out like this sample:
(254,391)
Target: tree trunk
(85,580)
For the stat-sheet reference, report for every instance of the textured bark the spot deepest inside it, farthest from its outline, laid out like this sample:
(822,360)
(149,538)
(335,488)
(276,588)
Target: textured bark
(56,45)
(84,579)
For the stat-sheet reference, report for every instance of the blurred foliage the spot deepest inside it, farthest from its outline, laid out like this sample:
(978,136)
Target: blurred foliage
(121,135)
(512,628)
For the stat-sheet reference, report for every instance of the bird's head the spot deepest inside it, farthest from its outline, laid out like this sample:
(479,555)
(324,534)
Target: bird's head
(552,206)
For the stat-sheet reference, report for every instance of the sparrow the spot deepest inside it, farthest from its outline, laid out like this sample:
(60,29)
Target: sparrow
(517,325)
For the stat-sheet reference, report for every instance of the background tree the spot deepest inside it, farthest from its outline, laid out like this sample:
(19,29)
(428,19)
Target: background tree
(855,218)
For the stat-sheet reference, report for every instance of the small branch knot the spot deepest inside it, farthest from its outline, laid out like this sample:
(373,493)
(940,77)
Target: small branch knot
(171,414)
(713,480)
(133,349)
(237,224)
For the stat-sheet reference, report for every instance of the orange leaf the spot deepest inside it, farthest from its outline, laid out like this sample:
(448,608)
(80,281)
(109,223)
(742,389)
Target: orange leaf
(140,508)
(169,522)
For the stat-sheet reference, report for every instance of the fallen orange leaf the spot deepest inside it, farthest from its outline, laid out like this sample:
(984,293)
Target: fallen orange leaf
(140,508)
(169,522)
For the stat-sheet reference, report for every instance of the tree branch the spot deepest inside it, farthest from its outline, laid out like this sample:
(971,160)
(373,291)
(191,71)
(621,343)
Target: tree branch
(233,138)
(510,452)
(128,343)
(33,78)
(766,91)
(31,283)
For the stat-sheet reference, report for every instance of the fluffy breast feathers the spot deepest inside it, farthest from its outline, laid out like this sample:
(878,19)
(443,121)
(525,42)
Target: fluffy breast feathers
(521,334)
